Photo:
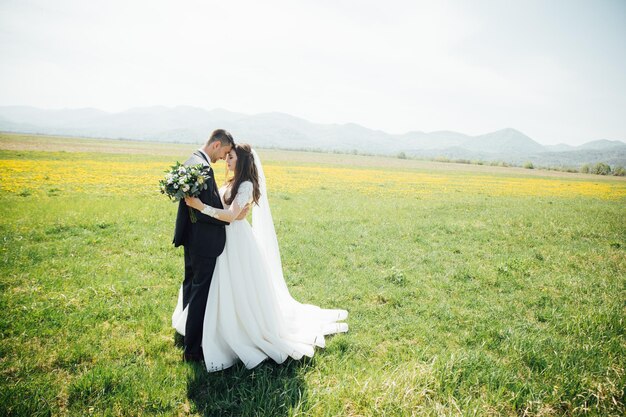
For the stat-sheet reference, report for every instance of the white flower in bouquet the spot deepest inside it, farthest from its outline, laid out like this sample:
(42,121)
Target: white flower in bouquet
(185,181)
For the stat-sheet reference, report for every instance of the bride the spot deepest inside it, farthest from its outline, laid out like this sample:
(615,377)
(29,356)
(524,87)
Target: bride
(250,315)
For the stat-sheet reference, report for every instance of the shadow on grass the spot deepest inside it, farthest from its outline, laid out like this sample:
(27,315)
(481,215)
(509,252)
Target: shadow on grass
(179,341)
(267,390)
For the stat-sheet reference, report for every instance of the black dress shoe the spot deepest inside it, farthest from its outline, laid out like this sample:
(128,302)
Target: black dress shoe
(188,357)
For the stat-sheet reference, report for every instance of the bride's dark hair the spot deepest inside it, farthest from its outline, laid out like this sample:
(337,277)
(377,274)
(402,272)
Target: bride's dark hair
(245,170)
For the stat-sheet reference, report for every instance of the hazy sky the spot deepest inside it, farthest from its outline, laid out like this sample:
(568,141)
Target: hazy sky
(554,69)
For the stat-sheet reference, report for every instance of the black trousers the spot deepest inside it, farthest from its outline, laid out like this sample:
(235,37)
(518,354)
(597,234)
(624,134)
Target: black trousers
(188,278)
(198,275)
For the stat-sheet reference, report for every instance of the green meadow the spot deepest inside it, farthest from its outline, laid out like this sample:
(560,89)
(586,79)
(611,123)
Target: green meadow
(461,303)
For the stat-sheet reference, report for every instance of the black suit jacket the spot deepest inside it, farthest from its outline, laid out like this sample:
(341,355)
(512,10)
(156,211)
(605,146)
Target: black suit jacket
(206,237)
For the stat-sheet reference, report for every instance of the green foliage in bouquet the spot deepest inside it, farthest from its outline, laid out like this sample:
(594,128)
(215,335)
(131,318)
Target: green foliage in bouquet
(185,181)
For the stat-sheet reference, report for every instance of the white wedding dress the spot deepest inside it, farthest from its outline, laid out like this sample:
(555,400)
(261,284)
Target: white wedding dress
(250,315)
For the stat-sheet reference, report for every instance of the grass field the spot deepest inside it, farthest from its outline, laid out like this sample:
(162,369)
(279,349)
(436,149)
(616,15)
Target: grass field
(472,290)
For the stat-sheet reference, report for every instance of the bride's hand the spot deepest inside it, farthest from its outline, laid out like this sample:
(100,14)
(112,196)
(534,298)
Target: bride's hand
(194,202)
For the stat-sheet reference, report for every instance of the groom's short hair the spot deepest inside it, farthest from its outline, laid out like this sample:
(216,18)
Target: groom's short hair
(222,136)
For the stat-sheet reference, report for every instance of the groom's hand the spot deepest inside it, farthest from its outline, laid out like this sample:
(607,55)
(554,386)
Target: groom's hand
(244,212)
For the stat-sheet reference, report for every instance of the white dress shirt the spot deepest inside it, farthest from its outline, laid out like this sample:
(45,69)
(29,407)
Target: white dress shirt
(207,156)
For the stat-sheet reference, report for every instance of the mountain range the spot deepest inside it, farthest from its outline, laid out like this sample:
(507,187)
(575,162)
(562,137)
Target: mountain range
(193,125)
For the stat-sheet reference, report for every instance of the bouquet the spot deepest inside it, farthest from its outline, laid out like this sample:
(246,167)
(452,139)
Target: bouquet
(185,181)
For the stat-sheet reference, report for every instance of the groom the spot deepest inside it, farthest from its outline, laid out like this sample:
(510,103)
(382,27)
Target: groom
(203,242)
